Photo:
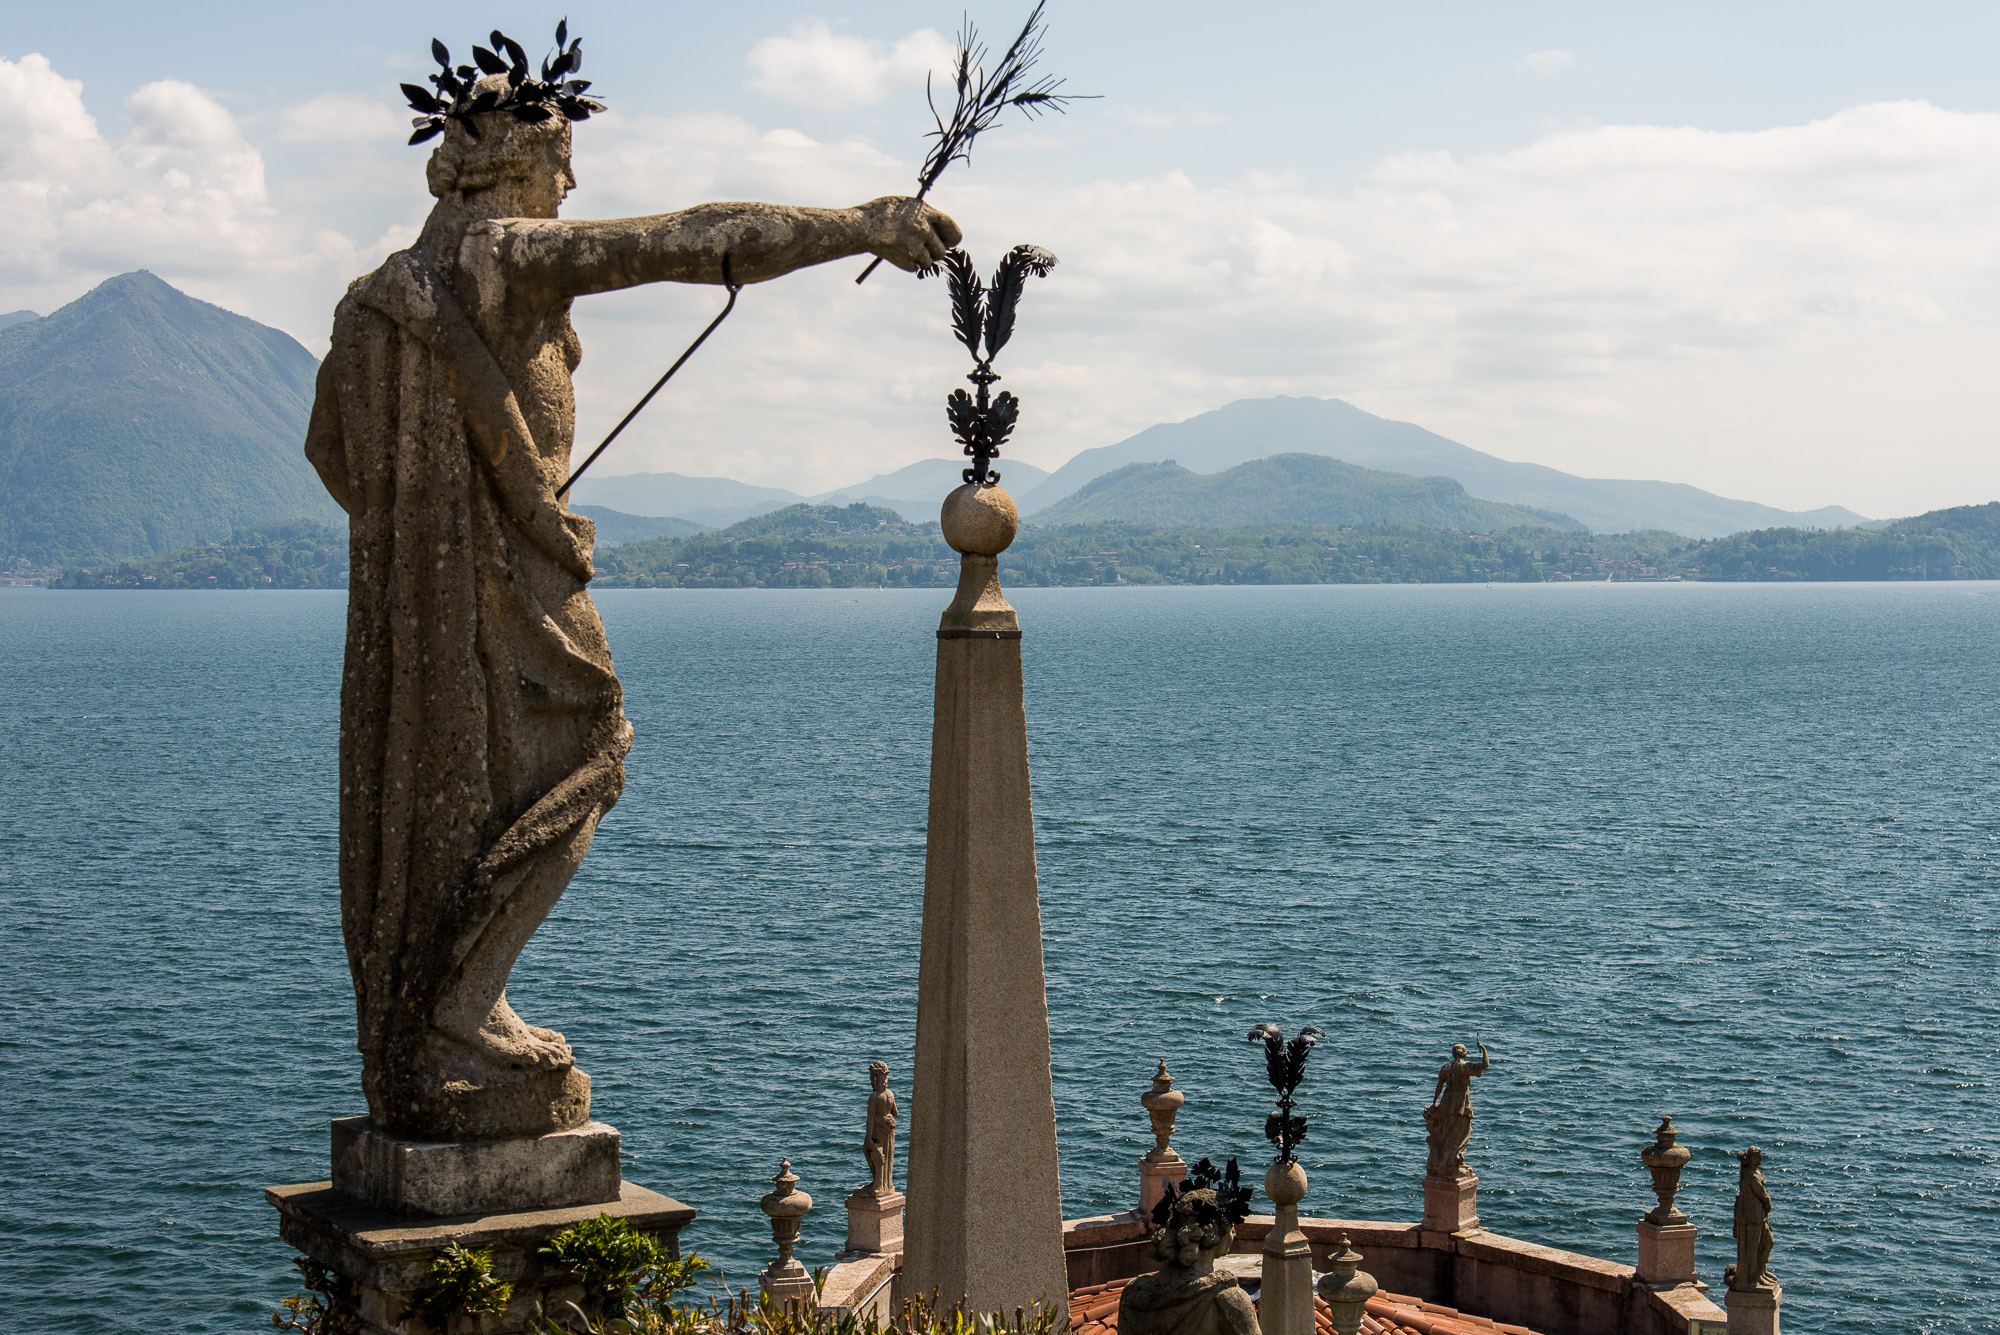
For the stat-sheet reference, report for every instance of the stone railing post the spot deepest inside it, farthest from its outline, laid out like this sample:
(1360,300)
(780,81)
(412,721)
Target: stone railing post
(785,1279)
(1666,1238)
(1285,1299)
(1160,1164)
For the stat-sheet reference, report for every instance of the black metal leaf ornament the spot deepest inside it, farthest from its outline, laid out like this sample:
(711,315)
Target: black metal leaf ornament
(528,100)
(984,315)
(1285,1067)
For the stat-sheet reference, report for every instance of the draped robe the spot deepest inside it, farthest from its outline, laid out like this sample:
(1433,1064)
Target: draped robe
(481,733)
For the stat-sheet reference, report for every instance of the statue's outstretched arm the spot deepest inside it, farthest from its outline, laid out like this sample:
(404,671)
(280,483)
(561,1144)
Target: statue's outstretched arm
(763,241)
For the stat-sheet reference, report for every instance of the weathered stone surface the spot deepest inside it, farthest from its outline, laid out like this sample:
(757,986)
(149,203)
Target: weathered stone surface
(874,1223)
(878,1139)
(482,734)
(1448,1119)
(1193,1292)
(387,1258)
(1285,1295)
(1666,1254)
(1451,1204)
(578,1166)
(1160,1165)
(1753,1311)
(984,1218)
(1752,1227)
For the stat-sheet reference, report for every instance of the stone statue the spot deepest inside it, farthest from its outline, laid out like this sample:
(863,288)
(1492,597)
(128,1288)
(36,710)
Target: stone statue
(878,1142)
(482,734)
(1449,1117)
(1187,1295)
(1753,1226)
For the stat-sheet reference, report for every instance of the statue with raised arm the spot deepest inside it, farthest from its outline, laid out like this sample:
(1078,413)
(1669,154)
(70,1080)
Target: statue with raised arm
(878,1142)
(1448,1119)
(1753,1226)
(481,727)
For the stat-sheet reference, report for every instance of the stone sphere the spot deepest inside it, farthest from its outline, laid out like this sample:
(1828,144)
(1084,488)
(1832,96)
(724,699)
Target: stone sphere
(979,521)
(1285,1183)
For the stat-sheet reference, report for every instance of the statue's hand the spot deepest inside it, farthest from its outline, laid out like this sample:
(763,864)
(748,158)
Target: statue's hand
(908,232)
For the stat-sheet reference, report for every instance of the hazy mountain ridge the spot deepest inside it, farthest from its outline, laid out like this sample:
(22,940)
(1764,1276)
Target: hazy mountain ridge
(136,420)
(1258,428)
(914,492)
(1287,489)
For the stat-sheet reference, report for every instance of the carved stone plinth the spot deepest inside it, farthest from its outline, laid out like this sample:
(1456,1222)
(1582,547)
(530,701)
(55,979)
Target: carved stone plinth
(436,1178)
(385,1258)
(1451,1204)
(874,1223)
(1753,1311)
(1666,1255)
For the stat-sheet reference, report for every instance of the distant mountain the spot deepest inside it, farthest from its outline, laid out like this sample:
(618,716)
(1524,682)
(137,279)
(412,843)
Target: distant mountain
(17,317)
(1257,428)
(1287,489)
(137,420)
(917,491)
(615,528)
(712,502)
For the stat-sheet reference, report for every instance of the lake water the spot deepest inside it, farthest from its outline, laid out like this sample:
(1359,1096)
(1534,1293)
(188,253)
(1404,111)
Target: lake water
(1728,852)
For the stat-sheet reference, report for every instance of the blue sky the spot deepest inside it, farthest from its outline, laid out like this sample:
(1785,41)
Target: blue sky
(1750,247)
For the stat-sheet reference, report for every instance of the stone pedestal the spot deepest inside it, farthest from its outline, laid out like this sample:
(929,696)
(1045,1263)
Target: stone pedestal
(1451,1204)
(386,1258)
(985,1216)
(874,1223)
(1285,1298)
(1666,1255)
(432,1179)
(1753,1311)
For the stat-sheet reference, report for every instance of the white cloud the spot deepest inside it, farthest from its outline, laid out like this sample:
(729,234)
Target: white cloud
(183,194)
(1717,308)
(813,66)
(1549,61)
(1804,315)
(347,119)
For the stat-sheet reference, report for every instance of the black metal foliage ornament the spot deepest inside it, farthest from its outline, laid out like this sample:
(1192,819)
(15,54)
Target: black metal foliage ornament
(982,95)
(982,316)
(1232,1198)
(526,99)
(1285,1063)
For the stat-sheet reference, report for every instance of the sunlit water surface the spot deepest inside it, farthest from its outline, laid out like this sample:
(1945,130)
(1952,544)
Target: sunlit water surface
(1724,852)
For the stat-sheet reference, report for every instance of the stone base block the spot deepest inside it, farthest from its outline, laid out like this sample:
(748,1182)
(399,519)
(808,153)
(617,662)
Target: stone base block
(788,1283)
(874,1223)
(385,1259)
(1666,1255)
(1753,1311)
(435,1179)
(1451,1204)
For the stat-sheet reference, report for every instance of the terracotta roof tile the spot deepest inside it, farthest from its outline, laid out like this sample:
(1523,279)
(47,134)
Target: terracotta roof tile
(1093,1310)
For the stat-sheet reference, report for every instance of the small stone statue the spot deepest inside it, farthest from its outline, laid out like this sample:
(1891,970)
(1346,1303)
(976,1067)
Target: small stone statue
(878,1141)
(1753,1226)
(1192,1226)
(1449,1117)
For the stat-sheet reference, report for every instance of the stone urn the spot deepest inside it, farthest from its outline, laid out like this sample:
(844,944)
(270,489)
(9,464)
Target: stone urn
(1161,1103)
(1664,1159)
(785,1279)
(1346,1289)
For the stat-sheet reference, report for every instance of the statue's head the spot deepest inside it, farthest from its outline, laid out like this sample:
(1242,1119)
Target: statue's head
(1198,1219)
(878,1074)
(528,161)
(1458,1052)
(1751,1159)
(505,132)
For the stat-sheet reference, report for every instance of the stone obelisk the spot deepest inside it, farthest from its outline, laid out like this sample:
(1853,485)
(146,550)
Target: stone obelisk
(984,1221)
